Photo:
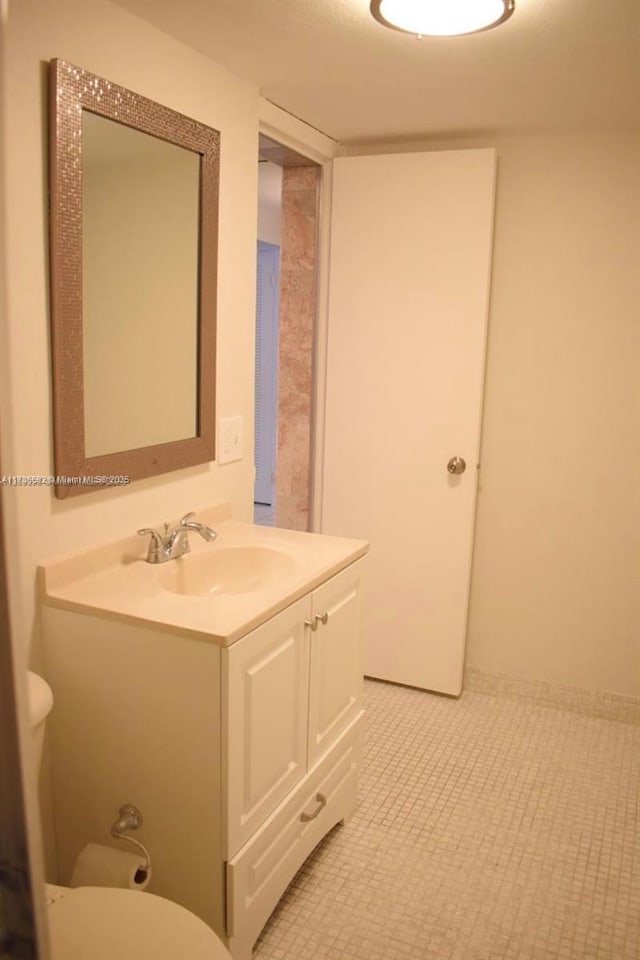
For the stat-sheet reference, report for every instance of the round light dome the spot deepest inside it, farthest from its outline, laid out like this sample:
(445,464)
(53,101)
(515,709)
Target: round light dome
(441,18)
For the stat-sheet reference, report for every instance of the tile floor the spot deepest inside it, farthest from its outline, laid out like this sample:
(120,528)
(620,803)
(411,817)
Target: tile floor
(488,829)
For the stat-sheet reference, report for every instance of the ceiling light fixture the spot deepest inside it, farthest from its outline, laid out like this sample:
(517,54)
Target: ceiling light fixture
(441,18)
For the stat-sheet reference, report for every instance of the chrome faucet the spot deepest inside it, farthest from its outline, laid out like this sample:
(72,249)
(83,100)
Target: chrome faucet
(173,542)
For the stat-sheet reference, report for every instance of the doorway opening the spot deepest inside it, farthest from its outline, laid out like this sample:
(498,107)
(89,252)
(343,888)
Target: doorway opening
(286,280)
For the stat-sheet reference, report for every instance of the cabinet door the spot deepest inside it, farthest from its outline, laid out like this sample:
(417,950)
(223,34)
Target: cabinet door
(265,702)
(335,685)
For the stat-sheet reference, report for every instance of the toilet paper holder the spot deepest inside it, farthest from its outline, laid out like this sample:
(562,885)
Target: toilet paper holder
(130,818)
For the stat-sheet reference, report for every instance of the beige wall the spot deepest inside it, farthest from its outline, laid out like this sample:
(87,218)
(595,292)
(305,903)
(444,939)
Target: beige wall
(555,585)
(110,42)
(554,592)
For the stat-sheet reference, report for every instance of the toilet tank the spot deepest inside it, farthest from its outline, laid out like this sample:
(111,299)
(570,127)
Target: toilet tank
(40,699)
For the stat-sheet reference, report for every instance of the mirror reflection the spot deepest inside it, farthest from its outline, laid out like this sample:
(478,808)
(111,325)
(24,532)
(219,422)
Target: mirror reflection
(140,204)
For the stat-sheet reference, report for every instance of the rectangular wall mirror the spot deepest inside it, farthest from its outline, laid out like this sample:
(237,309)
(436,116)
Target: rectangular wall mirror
(134,225)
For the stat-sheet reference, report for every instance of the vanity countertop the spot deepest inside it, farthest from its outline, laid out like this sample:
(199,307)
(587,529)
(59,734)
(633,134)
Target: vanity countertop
(114,580)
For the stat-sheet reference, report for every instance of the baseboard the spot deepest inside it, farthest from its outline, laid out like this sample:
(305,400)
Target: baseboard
(592,703)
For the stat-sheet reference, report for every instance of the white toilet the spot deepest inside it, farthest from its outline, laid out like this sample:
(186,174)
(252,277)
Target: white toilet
(101,923)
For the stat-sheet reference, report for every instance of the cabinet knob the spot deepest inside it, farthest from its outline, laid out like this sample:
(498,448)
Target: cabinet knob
(317,620)
(321,800)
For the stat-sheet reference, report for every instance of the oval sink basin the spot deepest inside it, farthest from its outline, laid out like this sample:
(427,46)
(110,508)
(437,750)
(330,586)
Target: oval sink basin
(229,570)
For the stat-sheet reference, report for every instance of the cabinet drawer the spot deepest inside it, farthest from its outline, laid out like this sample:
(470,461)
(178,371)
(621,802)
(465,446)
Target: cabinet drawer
(260,872)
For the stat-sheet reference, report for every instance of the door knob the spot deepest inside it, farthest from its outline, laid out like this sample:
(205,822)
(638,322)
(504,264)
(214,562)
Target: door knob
(456,466)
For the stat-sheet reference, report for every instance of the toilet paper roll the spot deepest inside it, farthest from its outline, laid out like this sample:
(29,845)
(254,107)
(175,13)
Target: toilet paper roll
(100,866)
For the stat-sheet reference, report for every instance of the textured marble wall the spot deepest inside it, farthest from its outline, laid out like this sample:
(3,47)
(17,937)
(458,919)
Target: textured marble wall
(295,349)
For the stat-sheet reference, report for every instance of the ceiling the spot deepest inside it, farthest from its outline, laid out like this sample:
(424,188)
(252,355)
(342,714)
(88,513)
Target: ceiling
(555,65)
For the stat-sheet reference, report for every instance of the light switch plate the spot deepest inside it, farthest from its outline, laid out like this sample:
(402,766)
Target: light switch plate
(229,439)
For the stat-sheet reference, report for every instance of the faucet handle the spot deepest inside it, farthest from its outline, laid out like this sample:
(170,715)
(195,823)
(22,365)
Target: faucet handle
(177,528)
(155,536)
(156,544)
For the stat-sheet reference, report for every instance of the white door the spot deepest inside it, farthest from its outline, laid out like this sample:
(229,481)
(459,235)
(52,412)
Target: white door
(411,238)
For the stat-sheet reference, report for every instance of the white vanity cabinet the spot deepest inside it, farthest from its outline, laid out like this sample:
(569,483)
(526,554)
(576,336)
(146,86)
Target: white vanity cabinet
(290,688)
(292,703)
(241,756)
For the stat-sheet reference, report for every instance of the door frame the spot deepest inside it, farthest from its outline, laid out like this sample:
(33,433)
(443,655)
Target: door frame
(286,129)
(21,846)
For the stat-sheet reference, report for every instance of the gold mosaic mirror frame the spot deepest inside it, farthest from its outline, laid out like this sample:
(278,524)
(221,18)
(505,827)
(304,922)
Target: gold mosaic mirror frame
(73,90)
